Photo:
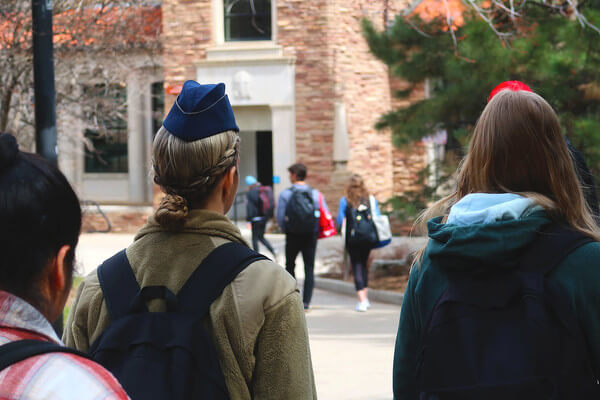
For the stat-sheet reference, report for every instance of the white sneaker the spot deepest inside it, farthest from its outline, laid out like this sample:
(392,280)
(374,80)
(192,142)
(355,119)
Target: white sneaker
(361,306)
(368,303)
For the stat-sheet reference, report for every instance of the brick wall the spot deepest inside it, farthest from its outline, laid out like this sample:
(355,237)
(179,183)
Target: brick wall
(408,162)
(362,83)
(303,29)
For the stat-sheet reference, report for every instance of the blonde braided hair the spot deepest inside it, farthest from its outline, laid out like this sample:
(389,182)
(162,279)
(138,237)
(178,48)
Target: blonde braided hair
(189,171)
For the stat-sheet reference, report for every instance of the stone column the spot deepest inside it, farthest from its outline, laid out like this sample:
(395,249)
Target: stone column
(135,141)
(284,144)
(147,138)
(341,143)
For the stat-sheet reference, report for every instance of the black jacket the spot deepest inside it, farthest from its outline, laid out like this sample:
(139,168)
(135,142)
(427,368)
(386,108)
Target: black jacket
(586,179)
(253,203)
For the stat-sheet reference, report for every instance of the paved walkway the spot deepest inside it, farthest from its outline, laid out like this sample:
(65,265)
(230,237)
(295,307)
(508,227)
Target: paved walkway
(352,352)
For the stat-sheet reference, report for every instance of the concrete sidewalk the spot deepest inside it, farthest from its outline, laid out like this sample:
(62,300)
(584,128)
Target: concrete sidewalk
(352,352)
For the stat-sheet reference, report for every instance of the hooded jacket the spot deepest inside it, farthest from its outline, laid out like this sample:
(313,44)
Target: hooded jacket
(257,324)
(488,234)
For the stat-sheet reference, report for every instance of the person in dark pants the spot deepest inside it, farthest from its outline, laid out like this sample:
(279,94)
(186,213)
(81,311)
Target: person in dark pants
(357,196)
(255,214)
(298,216)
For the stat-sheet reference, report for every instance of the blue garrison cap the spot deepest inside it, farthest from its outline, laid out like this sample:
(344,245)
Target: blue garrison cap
(200,111)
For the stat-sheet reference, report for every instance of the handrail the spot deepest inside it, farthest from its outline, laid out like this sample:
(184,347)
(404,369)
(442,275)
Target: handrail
(97,205)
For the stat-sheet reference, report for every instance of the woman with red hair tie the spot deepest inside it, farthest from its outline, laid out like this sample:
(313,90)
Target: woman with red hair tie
(503,301)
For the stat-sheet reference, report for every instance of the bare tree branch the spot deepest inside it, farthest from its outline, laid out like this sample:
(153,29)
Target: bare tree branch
(96,42)
(450,23)
(487,20)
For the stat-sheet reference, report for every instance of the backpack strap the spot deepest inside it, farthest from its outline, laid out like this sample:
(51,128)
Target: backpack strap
(13,352)
(551,247)
(211,277)
(118,284)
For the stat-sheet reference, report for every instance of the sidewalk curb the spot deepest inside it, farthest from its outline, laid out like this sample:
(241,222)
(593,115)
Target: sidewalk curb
(382,296)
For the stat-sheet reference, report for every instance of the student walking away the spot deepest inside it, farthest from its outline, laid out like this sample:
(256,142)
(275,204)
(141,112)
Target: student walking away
(41,220)
(298,216)
(213,319)
(259,208)
(503,301)
(357,209)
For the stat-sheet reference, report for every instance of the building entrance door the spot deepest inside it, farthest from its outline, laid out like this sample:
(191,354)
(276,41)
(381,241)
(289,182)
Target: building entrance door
(264,157)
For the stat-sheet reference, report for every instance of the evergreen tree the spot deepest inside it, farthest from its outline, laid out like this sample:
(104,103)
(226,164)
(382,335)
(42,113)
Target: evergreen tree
(556,56)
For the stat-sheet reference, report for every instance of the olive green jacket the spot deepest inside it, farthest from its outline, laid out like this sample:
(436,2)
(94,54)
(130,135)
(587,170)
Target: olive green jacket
(257,324)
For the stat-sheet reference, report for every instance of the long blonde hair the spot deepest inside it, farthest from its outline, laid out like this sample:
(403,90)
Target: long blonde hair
(517,147)
(356,192)
(188,171)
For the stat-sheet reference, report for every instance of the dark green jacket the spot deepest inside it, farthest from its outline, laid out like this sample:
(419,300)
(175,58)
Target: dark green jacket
(495,245)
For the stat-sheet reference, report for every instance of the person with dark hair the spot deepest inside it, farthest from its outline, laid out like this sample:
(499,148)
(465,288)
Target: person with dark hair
(226,322)
(40,218)
(259,208)
(298,211)
(298,170)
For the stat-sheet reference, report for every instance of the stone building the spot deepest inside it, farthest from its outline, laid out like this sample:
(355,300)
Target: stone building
(299,75)
(302,82)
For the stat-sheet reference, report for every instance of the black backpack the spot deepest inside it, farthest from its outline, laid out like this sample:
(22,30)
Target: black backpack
(166,355)
(510,335)
(360,228)
(300,212)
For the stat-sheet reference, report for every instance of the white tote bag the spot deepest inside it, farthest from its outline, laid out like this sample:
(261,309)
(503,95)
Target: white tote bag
(382,225)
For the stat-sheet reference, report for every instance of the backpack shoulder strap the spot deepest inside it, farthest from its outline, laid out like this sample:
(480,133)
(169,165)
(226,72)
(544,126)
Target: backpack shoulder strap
(551,247)
(118,284)
(13,352)
(211,277)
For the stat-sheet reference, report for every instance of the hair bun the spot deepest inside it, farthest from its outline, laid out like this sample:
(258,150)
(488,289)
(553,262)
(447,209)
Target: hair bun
(9,149)
(172,211)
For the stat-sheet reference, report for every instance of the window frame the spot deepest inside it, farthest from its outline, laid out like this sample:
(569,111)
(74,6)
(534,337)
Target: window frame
(219,28)
(121,128)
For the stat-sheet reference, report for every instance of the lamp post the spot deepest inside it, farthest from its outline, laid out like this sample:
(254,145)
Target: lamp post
(43,78)
(45,97)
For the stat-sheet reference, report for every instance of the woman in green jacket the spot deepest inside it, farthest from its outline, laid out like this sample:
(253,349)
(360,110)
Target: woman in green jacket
(257,323)
(516,181)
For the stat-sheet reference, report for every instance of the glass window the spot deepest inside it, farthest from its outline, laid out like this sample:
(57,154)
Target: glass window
(158,106)
(106,142)
(247,20)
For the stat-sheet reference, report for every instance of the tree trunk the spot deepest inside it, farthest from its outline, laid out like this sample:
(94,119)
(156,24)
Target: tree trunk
(453,149)
(5,108)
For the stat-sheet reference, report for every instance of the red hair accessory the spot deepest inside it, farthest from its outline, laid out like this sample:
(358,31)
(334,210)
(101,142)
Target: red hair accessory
(515,86)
